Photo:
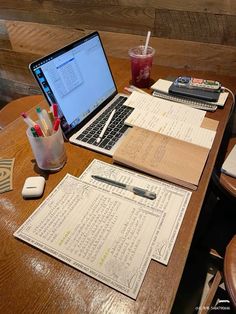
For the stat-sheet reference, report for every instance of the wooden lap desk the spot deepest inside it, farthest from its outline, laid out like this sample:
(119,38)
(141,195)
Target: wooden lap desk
(33,282)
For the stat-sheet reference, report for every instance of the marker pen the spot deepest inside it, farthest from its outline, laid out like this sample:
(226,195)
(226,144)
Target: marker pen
(55,110)
(33,131)
(56,124)
(51,116)
(47,119)
(27,120)
(38,130)
(42,121)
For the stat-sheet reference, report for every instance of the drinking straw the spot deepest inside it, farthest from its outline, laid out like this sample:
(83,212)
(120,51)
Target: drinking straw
(147,41)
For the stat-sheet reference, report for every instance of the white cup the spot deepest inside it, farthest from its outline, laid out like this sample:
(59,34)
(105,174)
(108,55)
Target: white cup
(49,151)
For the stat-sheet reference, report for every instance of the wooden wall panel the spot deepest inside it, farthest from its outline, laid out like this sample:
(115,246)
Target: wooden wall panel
(94,15)
(196,26)
(178,53)
(189,34)
(4,37)
(15,90)
(40,39)
(215,6)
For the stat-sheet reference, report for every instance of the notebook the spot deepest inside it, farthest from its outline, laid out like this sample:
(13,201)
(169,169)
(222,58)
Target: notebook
(78,78)
(161,90)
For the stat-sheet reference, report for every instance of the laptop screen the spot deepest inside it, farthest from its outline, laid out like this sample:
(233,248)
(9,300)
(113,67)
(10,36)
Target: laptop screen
(77,78)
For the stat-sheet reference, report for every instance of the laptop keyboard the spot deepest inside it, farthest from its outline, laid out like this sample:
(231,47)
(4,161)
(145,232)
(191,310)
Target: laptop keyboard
(115,129)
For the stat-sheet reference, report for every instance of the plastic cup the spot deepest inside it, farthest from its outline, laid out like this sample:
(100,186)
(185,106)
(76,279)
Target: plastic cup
(49,151)
(141,65)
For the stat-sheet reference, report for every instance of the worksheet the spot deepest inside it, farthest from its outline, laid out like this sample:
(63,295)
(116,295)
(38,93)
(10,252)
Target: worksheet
(105,231)
(105,235)
(169,206)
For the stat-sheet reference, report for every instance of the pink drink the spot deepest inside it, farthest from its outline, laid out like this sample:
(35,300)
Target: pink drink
(141,65)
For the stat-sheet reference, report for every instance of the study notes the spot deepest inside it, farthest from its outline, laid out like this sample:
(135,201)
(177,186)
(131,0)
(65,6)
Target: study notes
(106,232)
(169,118)
(162,156)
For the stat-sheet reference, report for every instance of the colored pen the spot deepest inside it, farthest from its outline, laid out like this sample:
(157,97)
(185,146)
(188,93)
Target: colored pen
(27,120)
(56,124)
(47,119)
(42,121)
(55,110)
(33,131)
(105,126)
(136,190)
(51,116)
(38,130)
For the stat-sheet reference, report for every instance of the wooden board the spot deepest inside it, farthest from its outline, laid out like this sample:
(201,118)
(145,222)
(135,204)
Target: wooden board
(193,35)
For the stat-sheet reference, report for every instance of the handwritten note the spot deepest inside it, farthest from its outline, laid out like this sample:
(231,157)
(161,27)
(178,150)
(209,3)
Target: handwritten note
(107,236)
(175,128)
(106,232)
(165,108)
(169,206)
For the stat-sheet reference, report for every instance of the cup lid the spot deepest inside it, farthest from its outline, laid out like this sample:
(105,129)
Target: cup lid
(138,51)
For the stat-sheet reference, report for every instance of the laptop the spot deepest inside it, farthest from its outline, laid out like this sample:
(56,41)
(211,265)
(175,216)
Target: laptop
(79,80)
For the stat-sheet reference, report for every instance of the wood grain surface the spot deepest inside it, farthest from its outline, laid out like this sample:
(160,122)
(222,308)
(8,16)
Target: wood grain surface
(198,35)
(34,282)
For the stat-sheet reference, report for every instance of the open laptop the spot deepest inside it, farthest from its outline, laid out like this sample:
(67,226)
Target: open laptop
(78,78)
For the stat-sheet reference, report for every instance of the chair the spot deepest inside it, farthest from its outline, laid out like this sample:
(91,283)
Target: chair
(225,183)
(13,109)
(228,276)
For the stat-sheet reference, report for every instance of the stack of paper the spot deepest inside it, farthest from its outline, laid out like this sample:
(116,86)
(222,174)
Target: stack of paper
(107,232)
(168,140)
(169,118)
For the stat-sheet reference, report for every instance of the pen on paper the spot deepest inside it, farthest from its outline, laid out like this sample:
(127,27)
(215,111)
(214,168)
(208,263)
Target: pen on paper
(136,190)
(105,126)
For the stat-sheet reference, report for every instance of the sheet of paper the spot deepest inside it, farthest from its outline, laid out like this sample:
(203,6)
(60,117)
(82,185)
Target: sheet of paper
(169,207)
(174,128)
(105,235)
(165,108)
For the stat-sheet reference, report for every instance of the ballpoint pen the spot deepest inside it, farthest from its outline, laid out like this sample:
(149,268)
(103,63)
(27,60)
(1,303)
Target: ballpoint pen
(105,126)
(136,190)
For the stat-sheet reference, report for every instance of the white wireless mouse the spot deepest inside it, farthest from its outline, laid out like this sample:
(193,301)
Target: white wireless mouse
(33,187)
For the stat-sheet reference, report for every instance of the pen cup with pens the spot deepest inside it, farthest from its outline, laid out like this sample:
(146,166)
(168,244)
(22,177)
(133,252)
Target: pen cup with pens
(46,140)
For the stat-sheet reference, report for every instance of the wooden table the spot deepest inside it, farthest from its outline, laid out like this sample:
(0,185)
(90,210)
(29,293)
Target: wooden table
(34,282)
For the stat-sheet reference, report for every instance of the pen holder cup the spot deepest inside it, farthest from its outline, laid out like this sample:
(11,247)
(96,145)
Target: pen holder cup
(49,151)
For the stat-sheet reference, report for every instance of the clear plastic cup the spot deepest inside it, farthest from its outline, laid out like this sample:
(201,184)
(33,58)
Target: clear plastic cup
(49,151)
(141,65)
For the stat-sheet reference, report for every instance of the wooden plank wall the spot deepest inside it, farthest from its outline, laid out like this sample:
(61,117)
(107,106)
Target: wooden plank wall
(192,34)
